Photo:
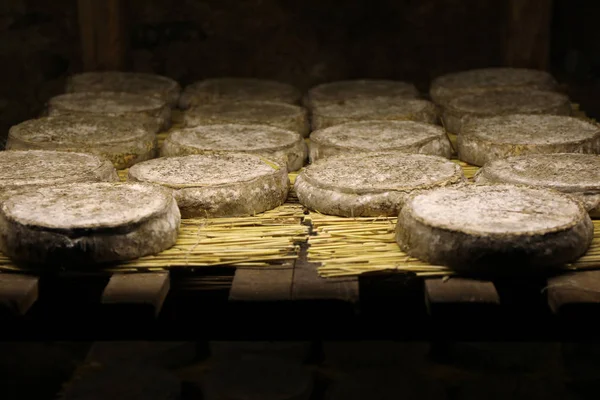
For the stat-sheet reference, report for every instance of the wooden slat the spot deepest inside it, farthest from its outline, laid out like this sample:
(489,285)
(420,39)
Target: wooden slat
(18,292)
(262,284)
(87,34)
(103,34)
(523,296)
(528,33)
(264,295)
(308,285)
(112,44)
(460,295)
(462,302)
(137,290)
(575,290)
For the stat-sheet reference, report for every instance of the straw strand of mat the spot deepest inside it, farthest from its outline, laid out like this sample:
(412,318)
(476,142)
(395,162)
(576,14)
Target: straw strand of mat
(200,226)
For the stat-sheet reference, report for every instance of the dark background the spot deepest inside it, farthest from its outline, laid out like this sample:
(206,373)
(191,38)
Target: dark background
(301,42)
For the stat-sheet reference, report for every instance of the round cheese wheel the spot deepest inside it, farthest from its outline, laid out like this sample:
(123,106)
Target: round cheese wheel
(270,142)
(576,174)
(371,184)
(23,170)
(122,141)
(381,109)
(377,136)
(112,104)
(449,86)
(87,224)
(487,139)
(359,89)
(238,89)
(152,85)
(494,228)
(218,185)
(280,115)
(503,102)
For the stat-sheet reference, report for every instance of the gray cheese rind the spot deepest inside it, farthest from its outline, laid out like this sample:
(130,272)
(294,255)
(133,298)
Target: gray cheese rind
(125,142)
(228,89)
(450,86)
(377,109)
(488,139)
(88,224)
(267,141)
(377,136)
(358,89)
(28,169)
(112,104)
(373,184)
(575,174)
(503,102)
(281,115)
(218,185)
(145,84)
(500,229)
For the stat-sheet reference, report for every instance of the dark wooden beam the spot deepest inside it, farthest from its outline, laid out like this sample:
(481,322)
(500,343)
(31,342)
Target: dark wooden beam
(268,284)
(309,286)
(575,294)
(528,34)
(17,293)
(460,296)
(142,293)
(104,40)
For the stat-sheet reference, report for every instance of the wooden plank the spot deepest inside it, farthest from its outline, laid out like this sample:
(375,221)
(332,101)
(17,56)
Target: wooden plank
(464,303)
(528,33)
(263,295)
(137,290)
(460,295)
(570,292)
(87,34)
(103,33)
(18,292)
(524,297)
(112,43)
(262,284)
(308,285)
